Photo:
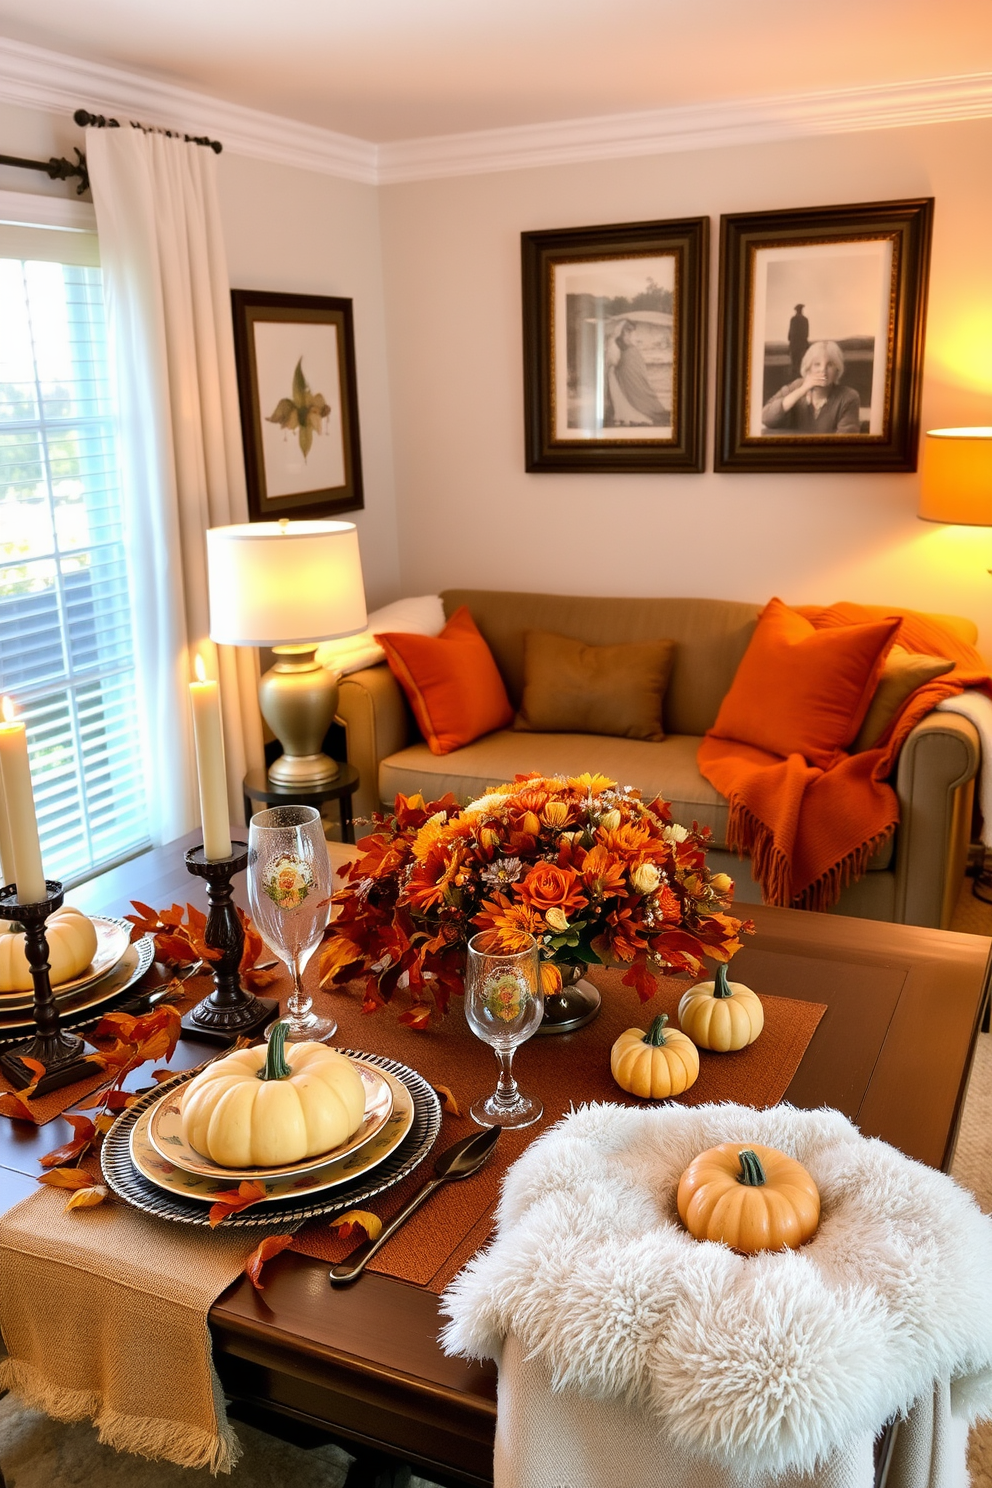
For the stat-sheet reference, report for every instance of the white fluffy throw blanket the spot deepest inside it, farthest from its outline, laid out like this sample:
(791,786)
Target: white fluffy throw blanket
(770,1364)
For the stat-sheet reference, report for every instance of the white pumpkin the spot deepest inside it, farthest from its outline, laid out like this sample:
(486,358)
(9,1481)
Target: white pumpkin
(270,1105)
(71,947)
(721,1015)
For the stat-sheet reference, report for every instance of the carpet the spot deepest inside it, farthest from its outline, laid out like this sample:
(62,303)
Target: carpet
(38,1453)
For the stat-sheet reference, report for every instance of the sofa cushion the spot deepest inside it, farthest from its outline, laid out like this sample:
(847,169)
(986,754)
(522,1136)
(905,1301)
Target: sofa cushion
(667,769)
(572,688)
(804,691)
(904,671)
(451,682)
(711,636)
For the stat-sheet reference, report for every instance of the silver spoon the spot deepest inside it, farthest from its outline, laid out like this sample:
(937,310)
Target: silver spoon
(460,1161)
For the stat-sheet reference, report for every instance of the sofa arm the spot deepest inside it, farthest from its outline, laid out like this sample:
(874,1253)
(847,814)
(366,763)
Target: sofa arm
(935,783)
(377,723)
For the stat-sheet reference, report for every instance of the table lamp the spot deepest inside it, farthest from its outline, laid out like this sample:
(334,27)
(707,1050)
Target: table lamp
(956,484)
(289,585)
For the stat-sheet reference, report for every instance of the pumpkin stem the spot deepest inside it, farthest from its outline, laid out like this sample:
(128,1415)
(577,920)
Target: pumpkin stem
(722,987)
(277,1066)
(752,1174)
(655,1035)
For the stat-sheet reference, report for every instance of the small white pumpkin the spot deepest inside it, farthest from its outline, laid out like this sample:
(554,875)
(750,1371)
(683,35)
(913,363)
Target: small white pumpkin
(270,1105)
(71,939)
(721,1015)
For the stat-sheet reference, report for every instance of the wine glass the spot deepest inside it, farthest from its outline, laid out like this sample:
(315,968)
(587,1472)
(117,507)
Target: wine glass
(289,891)
(504,1006)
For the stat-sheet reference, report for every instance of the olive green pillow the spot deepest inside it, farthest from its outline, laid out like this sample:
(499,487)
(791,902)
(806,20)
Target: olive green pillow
(904,671)
(572,688)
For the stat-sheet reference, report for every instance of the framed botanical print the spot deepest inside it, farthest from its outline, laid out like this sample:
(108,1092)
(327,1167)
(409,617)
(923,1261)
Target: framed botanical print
(615,346)
(295,357)
(822,316)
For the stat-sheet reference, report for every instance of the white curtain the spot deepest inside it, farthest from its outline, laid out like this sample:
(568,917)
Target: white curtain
(169,322)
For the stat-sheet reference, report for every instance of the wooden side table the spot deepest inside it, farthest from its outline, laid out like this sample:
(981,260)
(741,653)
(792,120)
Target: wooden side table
(259,788)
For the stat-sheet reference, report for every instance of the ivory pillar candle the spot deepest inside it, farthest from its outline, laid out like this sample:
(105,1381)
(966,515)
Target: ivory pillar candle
(208,736)
(21,844)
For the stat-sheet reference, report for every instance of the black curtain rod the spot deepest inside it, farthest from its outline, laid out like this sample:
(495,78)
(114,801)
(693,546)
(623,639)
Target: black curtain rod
(97,121)
(59,169)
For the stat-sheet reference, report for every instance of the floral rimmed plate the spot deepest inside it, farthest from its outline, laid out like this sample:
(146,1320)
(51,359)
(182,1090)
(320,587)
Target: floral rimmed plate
(75,1007)
(165,1175)
(165,1132)
(112,940)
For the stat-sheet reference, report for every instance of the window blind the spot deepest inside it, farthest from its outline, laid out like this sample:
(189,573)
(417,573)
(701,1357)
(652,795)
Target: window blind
(66,653)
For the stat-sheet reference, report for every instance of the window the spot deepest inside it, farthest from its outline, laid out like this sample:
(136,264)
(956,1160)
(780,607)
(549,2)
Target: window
(66,654)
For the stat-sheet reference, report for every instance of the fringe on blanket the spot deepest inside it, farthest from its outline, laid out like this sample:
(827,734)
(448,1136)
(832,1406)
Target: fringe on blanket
(772,868)
(143,1436)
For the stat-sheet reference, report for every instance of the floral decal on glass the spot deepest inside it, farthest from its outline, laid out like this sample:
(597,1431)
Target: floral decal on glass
(506,996)
(288,881)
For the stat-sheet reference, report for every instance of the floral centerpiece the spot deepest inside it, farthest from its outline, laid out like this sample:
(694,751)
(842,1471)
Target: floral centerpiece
(594,872)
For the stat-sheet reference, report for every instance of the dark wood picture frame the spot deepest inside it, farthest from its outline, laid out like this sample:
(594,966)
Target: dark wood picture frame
(567,371)
(809,246)
(279,454)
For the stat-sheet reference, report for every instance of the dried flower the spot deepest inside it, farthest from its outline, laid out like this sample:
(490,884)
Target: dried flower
(645,878)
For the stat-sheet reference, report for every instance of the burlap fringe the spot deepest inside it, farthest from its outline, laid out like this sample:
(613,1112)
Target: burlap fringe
(143,1436)
(771,867)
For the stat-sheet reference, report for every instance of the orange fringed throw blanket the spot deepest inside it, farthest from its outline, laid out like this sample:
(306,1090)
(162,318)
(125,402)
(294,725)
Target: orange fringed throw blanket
(809,831)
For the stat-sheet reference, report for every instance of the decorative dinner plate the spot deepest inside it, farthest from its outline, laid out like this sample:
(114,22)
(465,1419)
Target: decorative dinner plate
(112,940)
(148,1159)
(124,1178)
(77,1008)
(165,1132)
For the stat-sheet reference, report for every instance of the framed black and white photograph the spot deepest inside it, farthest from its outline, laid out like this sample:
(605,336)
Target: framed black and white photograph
(614,346)
(295,358)
(822,316)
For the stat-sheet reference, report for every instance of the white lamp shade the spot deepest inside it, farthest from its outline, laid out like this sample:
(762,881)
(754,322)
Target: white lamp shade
(284,583)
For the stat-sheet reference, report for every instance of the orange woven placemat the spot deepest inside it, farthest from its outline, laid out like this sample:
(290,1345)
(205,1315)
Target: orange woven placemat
(563,1070)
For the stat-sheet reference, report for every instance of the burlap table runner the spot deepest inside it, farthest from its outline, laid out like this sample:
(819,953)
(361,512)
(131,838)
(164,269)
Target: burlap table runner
(104,1316)
(564,1071)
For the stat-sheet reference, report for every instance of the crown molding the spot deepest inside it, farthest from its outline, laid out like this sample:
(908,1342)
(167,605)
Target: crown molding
(60,84)
(56,83)
(690,127)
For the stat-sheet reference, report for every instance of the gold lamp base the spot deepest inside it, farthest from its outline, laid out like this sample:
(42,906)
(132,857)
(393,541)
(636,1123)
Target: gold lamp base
(299,698)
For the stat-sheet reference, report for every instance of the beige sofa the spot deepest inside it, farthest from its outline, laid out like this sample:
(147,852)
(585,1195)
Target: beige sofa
(913,880)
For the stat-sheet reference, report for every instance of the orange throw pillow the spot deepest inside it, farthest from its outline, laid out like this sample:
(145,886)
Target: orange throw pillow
(804,691)
(451,681)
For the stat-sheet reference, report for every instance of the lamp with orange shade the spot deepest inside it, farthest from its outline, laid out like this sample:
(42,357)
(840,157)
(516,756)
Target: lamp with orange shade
(956,484)
(956,488)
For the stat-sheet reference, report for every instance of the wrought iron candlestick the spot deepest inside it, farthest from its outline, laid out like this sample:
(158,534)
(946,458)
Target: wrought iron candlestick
(62,1054)
(230,1010)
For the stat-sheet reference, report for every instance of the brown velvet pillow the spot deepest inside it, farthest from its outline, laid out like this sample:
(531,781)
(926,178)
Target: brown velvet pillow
(572,688)
(904,671)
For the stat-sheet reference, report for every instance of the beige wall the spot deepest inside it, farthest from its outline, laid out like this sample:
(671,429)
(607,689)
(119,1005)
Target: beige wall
(468,512)
(289,230)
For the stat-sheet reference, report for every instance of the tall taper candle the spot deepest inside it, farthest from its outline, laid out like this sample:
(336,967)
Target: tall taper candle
(25,849)
(6,845)
(208,735)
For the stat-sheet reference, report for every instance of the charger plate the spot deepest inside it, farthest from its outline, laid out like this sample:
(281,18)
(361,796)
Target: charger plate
(165,1133)
(112,940)
(121,1175)
(343,1169)
(77,1008)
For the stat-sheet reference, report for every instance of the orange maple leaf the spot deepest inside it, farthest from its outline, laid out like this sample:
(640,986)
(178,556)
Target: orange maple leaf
(269,1247)
(67,1178)
(233,1200)
(84,1139)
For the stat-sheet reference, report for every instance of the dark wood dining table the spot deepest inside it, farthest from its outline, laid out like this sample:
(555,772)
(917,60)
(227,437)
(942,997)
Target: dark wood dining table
(892,1052)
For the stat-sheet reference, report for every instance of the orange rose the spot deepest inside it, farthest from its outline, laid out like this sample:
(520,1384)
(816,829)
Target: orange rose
(549,887)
